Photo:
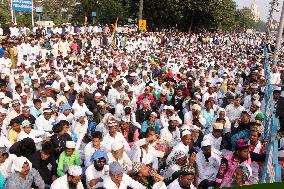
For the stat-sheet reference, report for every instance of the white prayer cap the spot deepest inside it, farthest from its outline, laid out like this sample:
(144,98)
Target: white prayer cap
(5,101)
(171,108)
(166,107)
(101,103)
(154,114)
(174,118)
(3,111)
(98,95)
(196,107)
(151,85)
(47,110)
(117,145)
(70,144)
(66,88)
(80,114)
(195,128)
(75,170)
(47,86)
(186,132)
(126,98)
(206,142)
(23,94)
(257,103)
(18,163)
(218,126)
(26,123)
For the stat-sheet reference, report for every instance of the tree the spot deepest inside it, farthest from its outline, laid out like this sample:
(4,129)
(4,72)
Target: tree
(5,14)
(244,19)
(107,10)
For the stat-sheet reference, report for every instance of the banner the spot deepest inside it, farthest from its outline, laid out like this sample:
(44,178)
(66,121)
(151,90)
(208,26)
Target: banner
(142,25)
(22,5)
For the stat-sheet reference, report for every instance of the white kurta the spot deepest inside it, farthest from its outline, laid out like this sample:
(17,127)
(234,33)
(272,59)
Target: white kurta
(175,185)
(92,173)
(208,170)
(62,183)
(126,181)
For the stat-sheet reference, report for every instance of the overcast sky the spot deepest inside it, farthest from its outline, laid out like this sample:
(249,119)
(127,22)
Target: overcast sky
(263,6)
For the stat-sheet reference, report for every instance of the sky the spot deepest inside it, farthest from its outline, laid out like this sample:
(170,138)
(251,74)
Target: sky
(263,7)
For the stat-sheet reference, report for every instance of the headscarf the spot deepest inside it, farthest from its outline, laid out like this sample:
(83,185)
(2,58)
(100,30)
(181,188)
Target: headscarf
(176,156)
(65,106)
(19,162)
(247,171)
(98,155)
(136,166)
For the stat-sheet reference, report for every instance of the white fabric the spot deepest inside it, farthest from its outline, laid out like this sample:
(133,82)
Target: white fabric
(62,183)
(126,181)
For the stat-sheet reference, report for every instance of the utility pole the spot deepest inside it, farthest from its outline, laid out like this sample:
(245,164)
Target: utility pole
(140,13)
(273,4)
(279,36)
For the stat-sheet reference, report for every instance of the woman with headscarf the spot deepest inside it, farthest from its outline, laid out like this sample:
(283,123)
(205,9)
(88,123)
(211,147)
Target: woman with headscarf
(65,113)
(149,178)
(240,177)
(23,175)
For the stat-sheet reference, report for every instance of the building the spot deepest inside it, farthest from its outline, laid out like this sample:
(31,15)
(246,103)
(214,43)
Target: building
(255,11)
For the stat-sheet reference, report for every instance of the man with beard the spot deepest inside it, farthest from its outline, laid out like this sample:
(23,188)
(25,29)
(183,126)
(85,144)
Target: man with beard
(185,180)
(208,161)
(72,180)
(171,134)
(96,172)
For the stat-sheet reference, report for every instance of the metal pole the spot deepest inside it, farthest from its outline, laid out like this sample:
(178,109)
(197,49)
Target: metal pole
(33,21)
(140,13)
(15,17)
(279,36)
(12,12)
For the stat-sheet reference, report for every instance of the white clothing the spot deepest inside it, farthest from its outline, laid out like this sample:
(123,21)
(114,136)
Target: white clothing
(108,140)
(208,169)
(92,173)
(42,124)
(62,183)
(34,134)
(88,153)
(126,181)
(175,185)
(171,138)
(124,161)
(5,168)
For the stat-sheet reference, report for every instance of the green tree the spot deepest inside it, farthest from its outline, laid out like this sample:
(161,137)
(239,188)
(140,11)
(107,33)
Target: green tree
(244,19)
(5,14)
(107,11)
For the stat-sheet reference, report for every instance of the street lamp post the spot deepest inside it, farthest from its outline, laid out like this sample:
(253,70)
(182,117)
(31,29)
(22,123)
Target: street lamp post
(279,36)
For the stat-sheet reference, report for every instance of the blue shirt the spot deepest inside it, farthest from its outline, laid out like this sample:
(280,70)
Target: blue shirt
(209,116)
(2,50)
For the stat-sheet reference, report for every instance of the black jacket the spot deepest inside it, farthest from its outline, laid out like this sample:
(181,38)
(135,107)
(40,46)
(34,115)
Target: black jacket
(41,166)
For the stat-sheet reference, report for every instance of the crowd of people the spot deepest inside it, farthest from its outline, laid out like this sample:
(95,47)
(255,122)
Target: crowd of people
(82,108)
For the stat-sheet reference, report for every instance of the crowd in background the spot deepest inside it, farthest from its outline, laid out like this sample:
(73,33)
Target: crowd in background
(88,107)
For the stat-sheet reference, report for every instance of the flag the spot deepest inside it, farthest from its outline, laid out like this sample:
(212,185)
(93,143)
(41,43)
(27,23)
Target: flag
(114,32)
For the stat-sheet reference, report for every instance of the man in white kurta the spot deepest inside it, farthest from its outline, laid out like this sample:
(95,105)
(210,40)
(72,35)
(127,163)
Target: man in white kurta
(124,181)
(72,173)
(208,161)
